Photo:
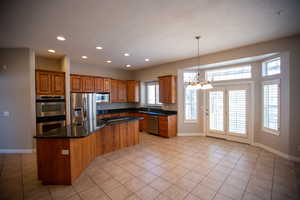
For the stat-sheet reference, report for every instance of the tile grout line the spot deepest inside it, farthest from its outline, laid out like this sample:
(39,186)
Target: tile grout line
(274,163)
(226,178)
(251,174)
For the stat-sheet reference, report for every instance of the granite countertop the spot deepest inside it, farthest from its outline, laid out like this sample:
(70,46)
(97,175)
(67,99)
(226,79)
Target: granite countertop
(87,128)
(149,111)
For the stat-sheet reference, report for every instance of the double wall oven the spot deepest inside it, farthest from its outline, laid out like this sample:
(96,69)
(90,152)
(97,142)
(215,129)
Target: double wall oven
(50,113)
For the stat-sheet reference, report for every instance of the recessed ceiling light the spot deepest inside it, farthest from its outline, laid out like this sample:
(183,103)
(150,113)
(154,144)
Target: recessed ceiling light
(51,51)
(147,59)
(99,48)
(61,38)
(126,54)
(108,61)
(84,57)
(128,65)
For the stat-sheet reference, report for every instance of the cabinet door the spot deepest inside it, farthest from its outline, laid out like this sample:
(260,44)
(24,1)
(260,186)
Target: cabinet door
(163,126)
(106,84)
(58,83)
(99,84)
(114,91)
(88,84)
(133,91)
(116,137)
(122,91)
(162,90)
(43,83)
(76,83)
(167,89)
(108,139)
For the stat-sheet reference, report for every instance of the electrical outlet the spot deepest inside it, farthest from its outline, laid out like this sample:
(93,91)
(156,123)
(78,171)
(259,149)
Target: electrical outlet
(65,152)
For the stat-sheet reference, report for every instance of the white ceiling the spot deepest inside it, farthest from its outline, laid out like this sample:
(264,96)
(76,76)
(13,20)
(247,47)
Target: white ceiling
(162,30)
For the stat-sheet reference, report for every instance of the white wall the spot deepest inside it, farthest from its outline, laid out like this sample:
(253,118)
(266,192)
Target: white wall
(17,89)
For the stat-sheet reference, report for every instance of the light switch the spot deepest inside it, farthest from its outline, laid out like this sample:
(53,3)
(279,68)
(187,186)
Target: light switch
(4,114)
(65,152)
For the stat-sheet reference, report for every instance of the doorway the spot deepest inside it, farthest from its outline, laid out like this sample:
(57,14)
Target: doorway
(228,112)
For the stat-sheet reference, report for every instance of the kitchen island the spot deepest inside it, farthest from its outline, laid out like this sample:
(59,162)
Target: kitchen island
(63,153)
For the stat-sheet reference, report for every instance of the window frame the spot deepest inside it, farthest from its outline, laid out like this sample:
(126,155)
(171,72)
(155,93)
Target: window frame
(264,66)
(196,106)
(266,129)
(157,84)
(230,67)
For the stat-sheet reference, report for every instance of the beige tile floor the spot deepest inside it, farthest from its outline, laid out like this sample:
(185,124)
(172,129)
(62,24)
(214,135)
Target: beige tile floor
(191,168)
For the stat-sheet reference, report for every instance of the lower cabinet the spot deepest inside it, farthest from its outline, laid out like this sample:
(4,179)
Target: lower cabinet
(58,168)
(168,126)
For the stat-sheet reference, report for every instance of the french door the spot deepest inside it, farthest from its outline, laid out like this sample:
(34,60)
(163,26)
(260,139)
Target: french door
(228,112)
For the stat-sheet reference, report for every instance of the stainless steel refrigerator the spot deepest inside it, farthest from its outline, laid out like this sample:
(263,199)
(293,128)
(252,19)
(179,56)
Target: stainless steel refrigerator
(83,107)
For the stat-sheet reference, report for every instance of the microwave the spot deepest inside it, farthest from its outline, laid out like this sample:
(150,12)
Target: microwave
(47,106)
(102,98)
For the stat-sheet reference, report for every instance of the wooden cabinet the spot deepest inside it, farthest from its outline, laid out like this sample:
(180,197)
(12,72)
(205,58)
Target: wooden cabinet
(50,83)
(114,91)
(58,83)
(118,91)
(99,84)
(143,124)
(76,83)
(133,91)
(168,126)
(122,91)
(167,89)
(102,84)
(87,84)
(81,83)
(43,82)
(106,84)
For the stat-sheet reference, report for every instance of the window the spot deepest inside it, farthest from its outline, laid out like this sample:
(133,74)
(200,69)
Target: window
(271,67)
(224,74)
(271,97)
(152,92)
(189,76)
(190,104)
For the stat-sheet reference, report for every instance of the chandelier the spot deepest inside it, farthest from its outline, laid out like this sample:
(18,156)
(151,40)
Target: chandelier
(196,82)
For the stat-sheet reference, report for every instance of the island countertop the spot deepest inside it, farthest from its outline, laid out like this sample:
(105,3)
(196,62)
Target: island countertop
(86,128)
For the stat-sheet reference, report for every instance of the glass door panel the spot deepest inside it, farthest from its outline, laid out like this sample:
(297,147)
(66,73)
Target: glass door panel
(237,112)
(216,111)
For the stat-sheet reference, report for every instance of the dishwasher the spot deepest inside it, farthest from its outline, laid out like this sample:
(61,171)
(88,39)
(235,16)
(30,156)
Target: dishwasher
(153,124)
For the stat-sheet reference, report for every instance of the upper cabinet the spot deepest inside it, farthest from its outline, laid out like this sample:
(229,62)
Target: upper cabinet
(102,84)
(114,91)
(167,89)
(122,91)
(50,83)
(81,83)
(106,84)
(99,84)
(87,84)
(118,91)
(76,83)
(133,91)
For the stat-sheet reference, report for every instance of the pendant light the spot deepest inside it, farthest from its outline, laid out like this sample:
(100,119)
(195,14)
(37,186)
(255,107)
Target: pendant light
(197,83)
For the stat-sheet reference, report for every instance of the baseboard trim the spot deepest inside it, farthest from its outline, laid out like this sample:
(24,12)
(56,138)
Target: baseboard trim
(10,151)
(190,134)
(279,153)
